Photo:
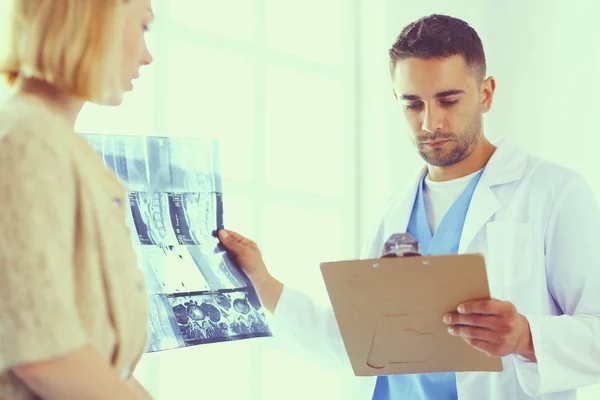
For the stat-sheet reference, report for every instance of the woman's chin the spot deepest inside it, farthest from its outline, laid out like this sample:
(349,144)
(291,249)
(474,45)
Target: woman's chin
(112,100)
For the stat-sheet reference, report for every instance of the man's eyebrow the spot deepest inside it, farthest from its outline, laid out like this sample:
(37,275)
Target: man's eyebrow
(411,97)
(449,93)
(445,93)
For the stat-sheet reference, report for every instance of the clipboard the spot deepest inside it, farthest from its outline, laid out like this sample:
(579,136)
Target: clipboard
(389,312)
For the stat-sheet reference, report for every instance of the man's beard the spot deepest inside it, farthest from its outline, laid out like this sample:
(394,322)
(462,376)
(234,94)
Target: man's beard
(459,147)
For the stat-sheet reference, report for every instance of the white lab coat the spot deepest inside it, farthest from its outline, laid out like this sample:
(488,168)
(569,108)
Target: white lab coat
(538,226)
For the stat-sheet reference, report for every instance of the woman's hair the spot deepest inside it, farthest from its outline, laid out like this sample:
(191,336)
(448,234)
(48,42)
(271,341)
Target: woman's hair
(70,44)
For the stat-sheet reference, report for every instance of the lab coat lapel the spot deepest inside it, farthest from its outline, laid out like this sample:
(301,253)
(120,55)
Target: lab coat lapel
(506,165)
(484,205)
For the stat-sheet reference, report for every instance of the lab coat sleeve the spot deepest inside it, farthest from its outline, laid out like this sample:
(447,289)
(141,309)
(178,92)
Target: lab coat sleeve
(567,347)
(309,331)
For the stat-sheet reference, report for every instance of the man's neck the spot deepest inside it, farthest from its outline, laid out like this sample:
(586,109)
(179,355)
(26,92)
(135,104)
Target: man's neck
(474,162)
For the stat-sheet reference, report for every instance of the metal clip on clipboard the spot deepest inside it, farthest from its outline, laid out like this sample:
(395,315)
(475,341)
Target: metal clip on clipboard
(401,245)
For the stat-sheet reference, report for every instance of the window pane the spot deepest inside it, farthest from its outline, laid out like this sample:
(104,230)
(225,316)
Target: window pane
(133,117)
(285,377)
(232,19)
(211,93)
(238,215)
(313,29)
(218,370)
(298,239)
(294,246)
(304,132)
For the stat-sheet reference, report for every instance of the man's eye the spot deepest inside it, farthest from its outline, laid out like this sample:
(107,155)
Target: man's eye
(414,106)
(449,102)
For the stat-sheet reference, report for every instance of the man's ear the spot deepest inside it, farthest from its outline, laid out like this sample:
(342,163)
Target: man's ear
(488,87)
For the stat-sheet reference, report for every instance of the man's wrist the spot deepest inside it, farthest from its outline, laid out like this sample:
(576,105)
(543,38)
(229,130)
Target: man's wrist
(525,346)
(261,281)
(269,290)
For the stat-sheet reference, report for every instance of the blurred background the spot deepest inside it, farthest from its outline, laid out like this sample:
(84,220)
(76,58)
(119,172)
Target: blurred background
(312,143)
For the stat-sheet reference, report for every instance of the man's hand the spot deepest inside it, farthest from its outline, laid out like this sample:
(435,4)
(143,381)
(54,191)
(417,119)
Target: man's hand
(492,326)
(246,252)
(250,259)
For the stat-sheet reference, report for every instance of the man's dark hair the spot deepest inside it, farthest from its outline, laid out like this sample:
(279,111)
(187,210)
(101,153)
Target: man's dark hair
(439,36)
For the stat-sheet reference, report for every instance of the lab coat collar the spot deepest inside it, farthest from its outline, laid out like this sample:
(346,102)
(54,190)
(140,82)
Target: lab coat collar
(507,164)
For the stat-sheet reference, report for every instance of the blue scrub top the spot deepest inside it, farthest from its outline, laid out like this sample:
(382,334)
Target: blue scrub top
(438,386)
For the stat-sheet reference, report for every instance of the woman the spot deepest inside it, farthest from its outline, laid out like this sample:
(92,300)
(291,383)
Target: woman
(73,302)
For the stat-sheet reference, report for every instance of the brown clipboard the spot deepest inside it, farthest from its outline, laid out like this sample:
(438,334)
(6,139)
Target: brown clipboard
(389,312)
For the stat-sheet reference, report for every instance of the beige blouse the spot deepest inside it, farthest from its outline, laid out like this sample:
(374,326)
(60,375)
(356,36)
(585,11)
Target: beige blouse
(68,271)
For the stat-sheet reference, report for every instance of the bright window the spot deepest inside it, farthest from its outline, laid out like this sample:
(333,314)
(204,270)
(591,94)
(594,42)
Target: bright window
(273,80)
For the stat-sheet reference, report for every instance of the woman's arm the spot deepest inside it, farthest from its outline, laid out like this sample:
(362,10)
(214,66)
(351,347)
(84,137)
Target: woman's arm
(83,374)
(42,336)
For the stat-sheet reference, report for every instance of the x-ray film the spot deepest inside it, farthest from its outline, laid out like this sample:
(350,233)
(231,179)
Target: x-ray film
(198,293)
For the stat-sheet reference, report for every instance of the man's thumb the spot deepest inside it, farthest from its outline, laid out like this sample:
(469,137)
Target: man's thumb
(229,242)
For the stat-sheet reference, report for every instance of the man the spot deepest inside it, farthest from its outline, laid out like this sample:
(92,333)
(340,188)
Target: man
(536,223)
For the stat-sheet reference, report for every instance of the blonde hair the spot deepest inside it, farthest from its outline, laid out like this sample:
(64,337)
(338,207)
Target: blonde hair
(70,44)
